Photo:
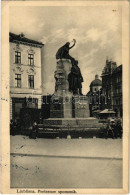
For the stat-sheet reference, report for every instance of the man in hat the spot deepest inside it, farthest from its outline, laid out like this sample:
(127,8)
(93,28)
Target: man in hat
(75,79)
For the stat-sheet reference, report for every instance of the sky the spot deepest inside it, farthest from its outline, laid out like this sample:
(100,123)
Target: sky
(97,31)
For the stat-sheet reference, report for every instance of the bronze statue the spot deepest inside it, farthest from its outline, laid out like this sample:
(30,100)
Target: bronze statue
(63,52)
(75,79)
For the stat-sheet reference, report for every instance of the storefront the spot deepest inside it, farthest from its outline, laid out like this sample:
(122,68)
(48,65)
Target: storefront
(19,103)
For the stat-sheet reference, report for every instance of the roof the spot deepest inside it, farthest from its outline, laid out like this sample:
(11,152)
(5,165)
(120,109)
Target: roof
(96,82)
(96,111)
(107,111)
(111,71)
(118,69)
(23,40)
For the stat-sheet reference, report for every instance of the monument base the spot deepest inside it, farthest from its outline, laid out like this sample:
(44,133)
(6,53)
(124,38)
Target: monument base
(69,106)
(68,112)
(61,106)
(70,123)
(80,106)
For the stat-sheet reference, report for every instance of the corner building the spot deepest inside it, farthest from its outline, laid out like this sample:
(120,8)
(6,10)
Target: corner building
(112,86)
(25,74)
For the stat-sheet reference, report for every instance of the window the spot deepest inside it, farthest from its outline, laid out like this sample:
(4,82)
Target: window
(31,59)
(18,80)
(31,81)
(17,57)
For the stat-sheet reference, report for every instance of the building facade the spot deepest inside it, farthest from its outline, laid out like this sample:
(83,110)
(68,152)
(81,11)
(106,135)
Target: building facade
(107,94)
(117,91)
(112,86)
(25,74)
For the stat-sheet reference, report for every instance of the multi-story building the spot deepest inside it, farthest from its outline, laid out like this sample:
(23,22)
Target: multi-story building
(117,91)
(112,86)
(25,73)
(107,81)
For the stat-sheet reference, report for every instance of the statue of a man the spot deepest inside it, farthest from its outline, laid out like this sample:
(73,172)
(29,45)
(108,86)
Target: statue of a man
(75,79)
(80,78)
(63,52)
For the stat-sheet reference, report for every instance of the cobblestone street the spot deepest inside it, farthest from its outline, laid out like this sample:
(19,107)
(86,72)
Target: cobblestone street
(66,163)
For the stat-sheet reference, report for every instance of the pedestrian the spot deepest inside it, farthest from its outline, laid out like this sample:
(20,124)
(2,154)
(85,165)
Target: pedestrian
(34,131)
(114,129)
(119,128)
(13,126)
(110,133)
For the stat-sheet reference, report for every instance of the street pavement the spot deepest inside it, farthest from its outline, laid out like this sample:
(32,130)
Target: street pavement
(66,163)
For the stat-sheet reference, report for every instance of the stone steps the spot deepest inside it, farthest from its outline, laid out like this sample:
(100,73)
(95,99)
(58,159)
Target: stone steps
(71,121)
(71,124)
(70,129)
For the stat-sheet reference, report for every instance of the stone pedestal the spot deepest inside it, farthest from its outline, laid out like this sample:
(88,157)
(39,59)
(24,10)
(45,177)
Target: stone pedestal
(68,112)
(80,107)
(61,101)
(63,68)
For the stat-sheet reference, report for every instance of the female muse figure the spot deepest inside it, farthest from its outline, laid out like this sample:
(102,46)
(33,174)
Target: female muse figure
(63,52)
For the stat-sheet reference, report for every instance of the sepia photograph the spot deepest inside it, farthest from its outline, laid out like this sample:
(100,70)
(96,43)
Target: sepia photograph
(66,98)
